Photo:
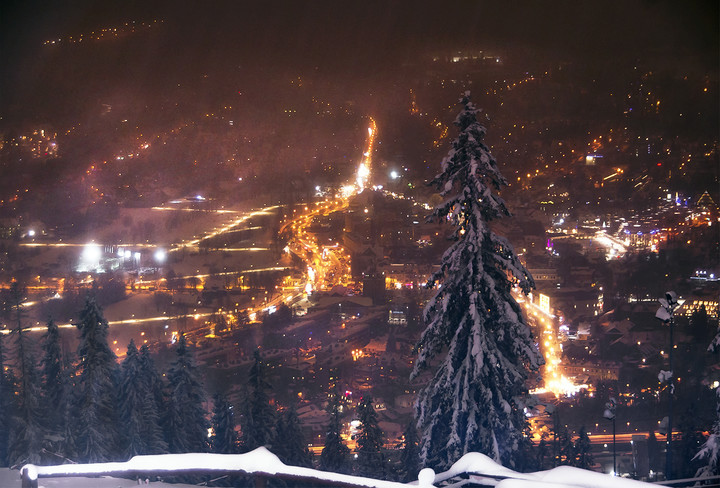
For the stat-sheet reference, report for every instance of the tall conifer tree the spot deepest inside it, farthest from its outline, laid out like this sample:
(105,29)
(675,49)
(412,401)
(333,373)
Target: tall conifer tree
(370,458)
(132,399)
(95,427)
(187,425)
(709,454)
(290,445)
(224,439)
(583,453)
(52,381)
(566,448)
(259,420)
(6,404)
(334,456)
(10,405)
(153,404)
(473,401)
(410,454)
(26,429)
(67,447)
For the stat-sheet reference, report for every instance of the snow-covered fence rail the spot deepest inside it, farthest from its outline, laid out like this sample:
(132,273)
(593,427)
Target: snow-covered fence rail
(706,482)
(472,470)
(475,469)
(260,463)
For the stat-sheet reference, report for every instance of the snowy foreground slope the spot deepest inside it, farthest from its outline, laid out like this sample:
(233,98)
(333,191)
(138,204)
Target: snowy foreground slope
(11,479)
(479,468)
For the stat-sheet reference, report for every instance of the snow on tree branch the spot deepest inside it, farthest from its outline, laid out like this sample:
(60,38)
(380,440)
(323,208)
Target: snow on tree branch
(473,401)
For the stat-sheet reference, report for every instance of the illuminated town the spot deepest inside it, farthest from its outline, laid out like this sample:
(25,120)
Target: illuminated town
(273,203)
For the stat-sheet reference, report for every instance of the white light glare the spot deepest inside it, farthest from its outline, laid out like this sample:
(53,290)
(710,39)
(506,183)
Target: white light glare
(160,255)
(90,257)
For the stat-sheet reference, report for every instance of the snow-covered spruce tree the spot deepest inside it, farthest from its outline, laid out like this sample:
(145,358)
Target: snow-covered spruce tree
(258,426)
(334,456)
(410,454)
(7,404)
(26,430)
(710,451)
(542,451)
(224,439)
(290,445)
(67,446)
(95,426)
(153,404)
(371,461)
(583,450)
(132,399)
(474,400)
(186,425)
(53,379)
(566,448)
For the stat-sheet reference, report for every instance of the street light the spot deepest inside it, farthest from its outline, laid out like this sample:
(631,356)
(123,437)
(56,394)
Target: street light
(609,414)
(665,313)
(160,256)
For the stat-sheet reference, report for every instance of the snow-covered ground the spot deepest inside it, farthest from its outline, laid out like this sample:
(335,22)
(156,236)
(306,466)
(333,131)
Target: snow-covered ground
(11,479)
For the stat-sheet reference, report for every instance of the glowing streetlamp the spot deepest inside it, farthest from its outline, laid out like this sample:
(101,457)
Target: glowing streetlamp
(160,256)
(666,313)
(90,257)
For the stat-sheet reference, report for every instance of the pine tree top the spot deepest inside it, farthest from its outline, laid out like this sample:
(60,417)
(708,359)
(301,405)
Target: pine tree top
(93,331)
(52,329)
(183,357)
(469,175)
(131,363)
(132,348)
(257,379)
(52,359)
(146,357)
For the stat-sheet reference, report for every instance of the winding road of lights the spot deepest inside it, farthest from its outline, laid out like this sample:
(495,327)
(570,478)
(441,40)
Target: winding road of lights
(316,270)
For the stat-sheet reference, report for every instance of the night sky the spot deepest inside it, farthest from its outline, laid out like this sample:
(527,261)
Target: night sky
(346,35)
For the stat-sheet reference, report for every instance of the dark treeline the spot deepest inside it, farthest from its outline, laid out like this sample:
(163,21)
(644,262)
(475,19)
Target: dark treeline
(90,407)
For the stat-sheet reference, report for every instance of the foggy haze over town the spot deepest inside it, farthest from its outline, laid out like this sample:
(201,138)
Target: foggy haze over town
(322,227)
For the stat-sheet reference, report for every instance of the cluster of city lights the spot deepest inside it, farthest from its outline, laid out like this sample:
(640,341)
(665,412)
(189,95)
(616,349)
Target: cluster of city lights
(553,378)
(363,172)
(106,33)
